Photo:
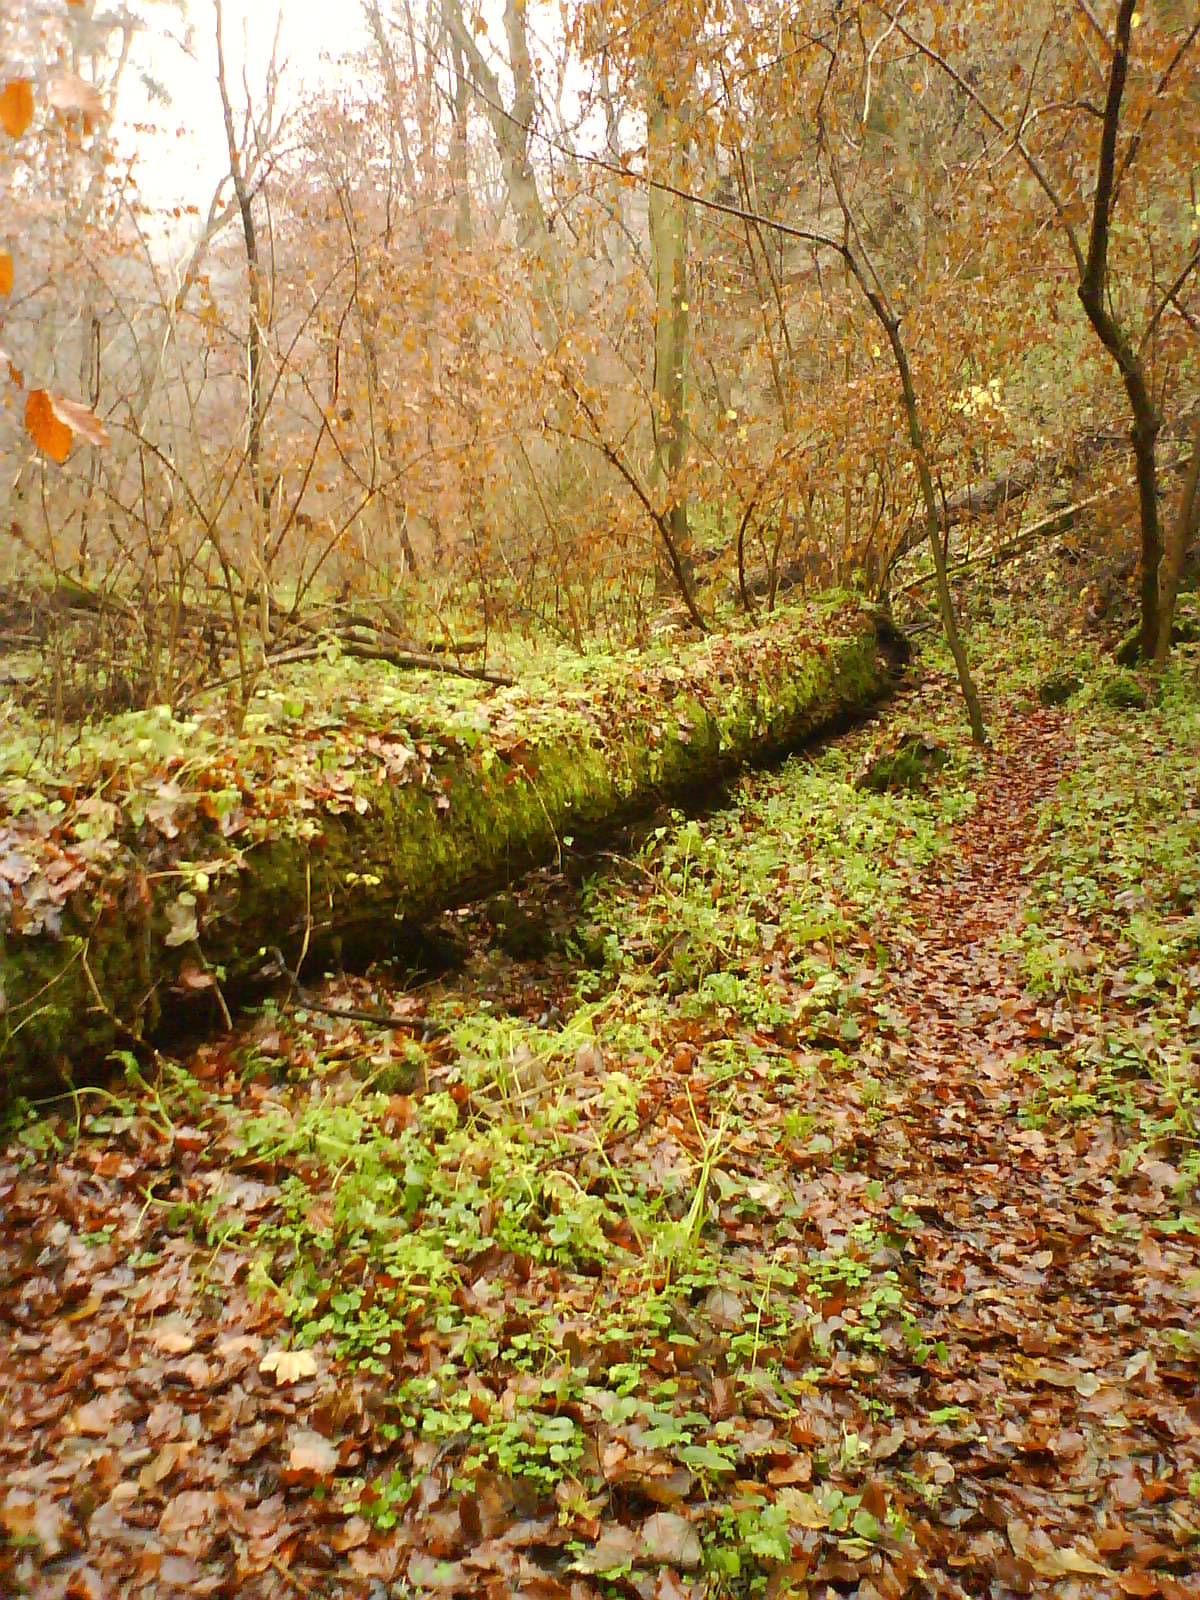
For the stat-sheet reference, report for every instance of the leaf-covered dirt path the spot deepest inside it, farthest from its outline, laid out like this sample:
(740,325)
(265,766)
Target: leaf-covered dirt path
(1065,1442)
(807,1208)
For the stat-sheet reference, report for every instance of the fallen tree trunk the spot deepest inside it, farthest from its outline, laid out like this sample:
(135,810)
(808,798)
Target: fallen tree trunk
(169,909)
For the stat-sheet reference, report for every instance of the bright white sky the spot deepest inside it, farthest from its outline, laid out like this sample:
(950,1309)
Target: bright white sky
(176,170)
(185,161)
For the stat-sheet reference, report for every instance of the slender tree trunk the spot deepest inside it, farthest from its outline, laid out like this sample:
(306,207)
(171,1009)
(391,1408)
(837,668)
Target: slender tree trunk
(1093,295)
(933,530)
(459,175)
(1183,530)
(254,331)
(668,217)
(510,128)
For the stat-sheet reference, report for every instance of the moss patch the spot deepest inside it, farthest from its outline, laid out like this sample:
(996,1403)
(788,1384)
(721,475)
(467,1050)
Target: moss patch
(390,825)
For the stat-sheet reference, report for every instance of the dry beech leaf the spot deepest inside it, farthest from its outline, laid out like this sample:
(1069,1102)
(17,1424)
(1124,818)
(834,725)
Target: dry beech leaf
(1035,1547)
(238,1344)
(312,1452)
(803,1509)
(168,1459)
(289,1366)
(6,272)
(52,437)
(73,93)
(53,422)
(24,1517)
(1069,1559)
(96,1417)
(16,107)
(188,1510)
(427,1572)
(173,1337)
(614,1548)
(354,1533)
(671,1539)
(80,420)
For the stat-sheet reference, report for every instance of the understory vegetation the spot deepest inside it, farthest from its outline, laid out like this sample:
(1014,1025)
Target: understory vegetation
(599,835)
(799,1197)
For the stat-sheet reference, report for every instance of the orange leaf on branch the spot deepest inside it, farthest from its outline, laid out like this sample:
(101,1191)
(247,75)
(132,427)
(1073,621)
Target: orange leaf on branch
(80,420)
(52,437)
(6,272)
(53,422)
(16,107)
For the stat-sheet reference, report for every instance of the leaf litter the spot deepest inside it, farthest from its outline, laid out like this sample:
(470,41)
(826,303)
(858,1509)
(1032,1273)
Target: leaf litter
(815,1214)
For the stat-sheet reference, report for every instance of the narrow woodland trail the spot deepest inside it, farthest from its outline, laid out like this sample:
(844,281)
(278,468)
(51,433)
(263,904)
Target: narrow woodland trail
(795,1243)
(1034,1270)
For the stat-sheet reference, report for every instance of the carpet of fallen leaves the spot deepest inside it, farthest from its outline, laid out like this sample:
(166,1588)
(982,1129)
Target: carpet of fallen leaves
(949,1346)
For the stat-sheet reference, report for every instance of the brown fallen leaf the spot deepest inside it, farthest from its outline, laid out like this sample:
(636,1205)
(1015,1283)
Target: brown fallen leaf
(289,1366)
(796,1469)
(1137,1582)
(802,1508)
(613,1549)
(24,1516)
(352,1535)
(672,1540)
(173,1336)
(312,1453)
(190,1509)
(1059,1377)
(168,1459)
(1035,1548)
(96,1417)
(425,1572)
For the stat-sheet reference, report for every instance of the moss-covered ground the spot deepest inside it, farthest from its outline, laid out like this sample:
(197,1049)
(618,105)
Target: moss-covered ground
(153,861)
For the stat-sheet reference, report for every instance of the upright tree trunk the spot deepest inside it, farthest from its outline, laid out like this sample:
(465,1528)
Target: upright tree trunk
(861,268)
(1093,295)
(254,333)
(459,174)
(933,529)
(1183,530)
(510,128)
(668,218)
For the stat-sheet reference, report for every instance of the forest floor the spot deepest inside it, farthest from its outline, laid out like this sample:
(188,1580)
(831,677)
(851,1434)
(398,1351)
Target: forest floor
(802,1203)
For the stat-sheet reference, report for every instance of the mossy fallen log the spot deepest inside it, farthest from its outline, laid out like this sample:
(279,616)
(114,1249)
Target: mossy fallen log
(173,872)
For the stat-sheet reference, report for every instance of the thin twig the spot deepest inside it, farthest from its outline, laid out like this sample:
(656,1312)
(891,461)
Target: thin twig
(286,1573)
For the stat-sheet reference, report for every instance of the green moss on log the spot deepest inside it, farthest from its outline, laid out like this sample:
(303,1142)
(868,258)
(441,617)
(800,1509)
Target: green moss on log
(483,817)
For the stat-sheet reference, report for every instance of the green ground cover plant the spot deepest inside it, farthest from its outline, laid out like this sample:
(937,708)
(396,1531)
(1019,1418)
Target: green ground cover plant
(832,1153)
